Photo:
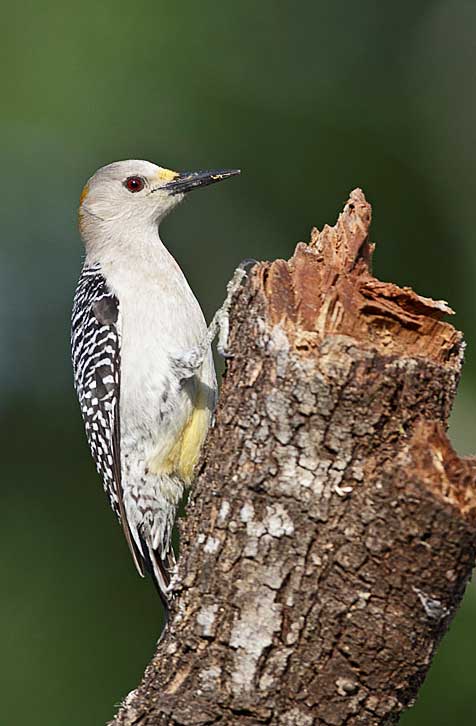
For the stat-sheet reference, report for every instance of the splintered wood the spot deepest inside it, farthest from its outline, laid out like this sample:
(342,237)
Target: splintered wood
(327,287)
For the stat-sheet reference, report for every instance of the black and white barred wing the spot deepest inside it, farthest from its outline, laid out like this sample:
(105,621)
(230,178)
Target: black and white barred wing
(96,354)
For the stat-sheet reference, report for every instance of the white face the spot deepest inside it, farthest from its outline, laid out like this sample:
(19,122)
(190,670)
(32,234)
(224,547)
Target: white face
(128,191)
(128,195)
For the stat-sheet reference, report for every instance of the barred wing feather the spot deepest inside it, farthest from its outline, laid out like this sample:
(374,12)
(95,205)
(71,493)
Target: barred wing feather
(96,354)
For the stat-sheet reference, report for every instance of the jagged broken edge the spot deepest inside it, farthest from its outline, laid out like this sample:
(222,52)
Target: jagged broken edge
(327,287)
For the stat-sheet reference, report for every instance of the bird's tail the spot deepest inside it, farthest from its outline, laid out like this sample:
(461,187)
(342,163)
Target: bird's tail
(161,568)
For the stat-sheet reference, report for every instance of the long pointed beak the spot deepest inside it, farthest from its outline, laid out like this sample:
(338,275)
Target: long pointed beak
(188,180)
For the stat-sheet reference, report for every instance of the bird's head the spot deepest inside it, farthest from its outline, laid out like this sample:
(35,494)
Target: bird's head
(135,192)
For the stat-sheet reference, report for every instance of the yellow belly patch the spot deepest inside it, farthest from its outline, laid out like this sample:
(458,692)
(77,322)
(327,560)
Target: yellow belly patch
(183,455)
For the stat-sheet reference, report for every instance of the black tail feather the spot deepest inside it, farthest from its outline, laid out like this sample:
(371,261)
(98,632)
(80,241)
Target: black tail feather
(160,571)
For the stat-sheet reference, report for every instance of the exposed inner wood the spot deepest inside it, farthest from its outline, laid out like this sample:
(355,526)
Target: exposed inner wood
(327,287)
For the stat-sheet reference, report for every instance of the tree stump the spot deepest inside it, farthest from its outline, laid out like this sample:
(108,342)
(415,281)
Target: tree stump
(332,528)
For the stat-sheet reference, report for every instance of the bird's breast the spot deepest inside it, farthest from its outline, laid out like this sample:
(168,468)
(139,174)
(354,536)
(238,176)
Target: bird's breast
(160,319)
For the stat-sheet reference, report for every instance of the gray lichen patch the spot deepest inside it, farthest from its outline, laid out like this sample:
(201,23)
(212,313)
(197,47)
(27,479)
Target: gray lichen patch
(206,619)
(259,618)
(432,606)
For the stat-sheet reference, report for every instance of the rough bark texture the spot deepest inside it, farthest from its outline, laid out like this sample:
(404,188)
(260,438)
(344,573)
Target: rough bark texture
(332,528)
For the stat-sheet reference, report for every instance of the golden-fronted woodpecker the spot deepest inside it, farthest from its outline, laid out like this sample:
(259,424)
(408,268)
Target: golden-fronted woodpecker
(141,351)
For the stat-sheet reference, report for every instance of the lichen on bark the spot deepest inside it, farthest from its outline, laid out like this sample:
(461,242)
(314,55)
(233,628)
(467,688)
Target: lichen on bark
(332,528)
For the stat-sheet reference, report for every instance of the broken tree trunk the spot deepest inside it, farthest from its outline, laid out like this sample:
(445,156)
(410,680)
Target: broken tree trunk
(332,528)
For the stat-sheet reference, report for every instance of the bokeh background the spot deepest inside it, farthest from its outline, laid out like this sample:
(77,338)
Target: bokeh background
(310,99)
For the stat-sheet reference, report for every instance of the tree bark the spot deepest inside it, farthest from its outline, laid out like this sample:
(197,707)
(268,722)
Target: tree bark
(332,528)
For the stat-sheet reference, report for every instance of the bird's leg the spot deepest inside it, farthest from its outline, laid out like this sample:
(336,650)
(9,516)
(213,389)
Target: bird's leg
(187,364)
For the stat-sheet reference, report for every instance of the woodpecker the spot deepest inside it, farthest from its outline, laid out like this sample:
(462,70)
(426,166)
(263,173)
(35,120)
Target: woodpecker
(141,353)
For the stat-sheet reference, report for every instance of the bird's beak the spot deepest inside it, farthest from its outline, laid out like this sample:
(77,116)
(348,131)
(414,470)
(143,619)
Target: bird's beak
(185,181)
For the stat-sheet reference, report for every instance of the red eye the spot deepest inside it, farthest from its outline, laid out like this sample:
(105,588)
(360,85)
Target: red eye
(134,183)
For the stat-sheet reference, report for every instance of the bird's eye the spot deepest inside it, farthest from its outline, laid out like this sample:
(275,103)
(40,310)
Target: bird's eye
(134,183)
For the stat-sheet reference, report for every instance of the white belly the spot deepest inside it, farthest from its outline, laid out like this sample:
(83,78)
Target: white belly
(159,318)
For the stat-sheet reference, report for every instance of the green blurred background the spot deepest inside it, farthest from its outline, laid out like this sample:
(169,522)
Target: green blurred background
(310,99)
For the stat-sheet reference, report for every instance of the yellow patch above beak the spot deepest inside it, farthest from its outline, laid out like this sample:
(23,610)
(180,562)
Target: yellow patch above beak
(84,194)
(166,175)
